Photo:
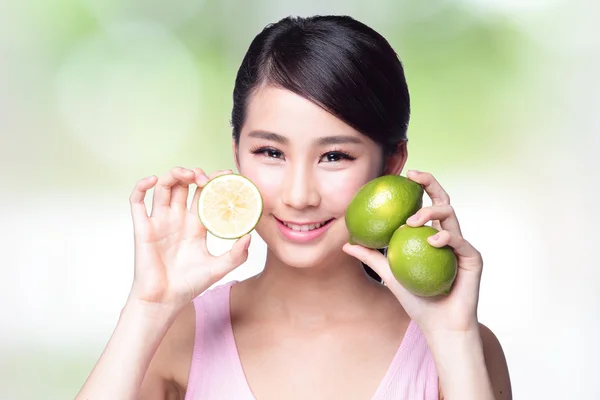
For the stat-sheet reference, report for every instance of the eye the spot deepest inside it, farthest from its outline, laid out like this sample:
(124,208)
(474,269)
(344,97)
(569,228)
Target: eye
(272,153)
(336,156)
(268,152)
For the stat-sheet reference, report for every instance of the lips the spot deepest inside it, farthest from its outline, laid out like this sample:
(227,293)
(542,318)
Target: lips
(305,227)
(303,232)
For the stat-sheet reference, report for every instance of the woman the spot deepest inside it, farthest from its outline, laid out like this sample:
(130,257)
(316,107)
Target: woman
(320,108)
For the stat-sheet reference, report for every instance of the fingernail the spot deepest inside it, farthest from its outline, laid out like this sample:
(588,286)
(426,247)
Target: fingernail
(247,245)
(414,171)
(412,219)
(435,237)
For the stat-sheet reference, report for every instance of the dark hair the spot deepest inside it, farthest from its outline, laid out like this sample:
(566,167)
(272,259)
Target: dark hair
(336,62)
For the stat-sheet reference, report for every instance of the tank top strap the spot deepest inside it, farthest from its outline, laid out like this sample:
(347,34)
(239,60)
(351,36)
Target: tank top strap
(412,373)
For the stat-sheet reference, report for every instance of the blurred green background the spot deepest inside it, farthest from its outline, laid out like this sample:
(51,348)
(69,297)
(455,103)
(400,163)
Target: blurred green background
(96,94)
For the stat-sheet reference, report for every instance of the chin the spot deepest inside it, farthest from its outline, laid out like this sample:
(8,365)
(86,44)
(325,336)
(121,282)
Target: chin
(305,259)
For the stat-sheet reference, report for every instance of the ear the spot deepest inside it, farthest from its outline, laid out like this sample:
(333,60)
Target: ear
(395,162)
(235,149)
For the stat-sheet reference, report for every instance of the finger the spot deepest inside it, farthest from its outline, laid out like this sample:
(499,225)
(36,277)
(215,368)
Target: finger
(434,190)
(164,187)
(219,173)
(373,258)
(233,258)
(468,256)
(139,213)
(179,193)
(201,177)
(180,190)
(379,263)
(445,214)
(200,180)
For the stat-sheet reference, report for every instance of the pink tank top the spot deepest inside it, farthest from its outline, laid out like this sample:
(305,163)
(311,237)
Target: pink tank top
(216,371)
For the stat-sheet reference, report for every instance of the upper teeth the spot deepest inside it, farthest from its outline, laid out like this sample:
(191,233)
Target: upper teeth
(304,228)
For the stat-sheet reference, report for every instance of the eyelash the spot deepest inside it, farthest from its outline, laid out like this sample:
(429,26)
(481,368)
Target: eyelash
(266,150)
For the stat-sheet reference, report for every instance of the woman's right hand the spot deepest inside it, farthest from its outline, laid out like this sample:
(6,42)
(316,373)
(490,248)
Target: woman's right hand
(172,262)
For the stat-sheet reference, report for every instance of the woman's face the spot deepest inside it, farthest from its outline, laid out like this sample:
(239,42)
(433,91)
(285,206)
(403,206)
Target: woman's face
(307,165)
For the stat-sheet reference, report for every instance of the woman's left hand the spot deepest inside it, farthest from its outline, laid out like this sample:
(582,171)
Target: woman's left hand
(457,311)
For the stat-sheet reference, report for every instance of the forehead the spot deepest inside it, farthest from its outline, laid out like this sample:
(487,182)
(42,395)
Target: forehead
(286,113)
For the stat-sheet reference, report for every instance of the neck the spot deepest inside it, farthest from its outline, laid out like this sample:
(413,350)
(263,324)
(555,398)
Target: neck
(319,294)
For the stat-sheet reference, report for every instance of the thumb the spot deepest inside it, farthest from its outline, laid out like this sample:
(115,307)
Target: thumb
(235,257)
(373,258)
(378,263)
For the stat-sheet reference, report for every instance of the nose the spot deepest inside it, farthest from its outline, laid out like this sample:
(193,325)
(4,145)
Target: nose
(300,189)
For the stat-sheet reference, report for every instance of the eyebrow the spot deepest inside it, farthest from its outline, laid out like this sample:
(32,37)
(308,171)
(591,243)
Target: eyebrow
(325,140)
(273,137)
(339,140)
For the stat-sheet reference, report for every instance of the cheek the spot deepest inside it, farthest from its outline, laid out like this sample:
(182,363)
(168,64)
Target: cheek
(338,188)
(266,178)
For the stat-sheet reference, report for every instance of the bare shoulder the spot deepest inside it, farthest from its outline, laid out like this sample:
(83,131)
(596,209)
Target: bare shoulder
(170,367)
(495,361)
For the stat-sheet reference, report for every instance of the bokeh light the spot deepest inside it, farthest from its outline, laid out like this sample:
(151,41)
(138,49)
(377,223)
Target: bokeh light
(130,92)
(97,94)
(169,13)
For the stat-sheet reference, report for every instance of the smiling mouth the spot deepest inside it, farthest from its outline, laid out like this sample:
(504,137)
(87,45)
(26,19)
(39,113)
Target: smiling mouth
(305,227)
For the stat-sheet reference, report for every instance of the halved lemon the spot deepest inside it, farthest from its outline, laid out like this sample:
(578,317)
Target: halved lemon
(230,206)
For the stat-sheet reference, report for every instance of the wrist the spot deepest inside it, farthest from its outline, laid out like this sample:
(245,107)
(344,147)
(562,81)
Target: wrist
(156,314)
(460,362)
(465,328)
(453,345)
(444,337)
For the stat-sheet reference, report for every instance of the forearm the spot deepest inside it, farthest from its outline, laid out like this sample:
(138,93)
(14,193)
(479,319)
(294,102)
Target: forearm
(120,370)
(461,366)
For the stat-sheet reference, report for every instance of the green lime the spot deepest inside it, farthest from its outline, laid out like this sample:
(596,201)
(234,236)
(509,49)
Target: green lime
(380,207)
(422,269)
(230,206)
